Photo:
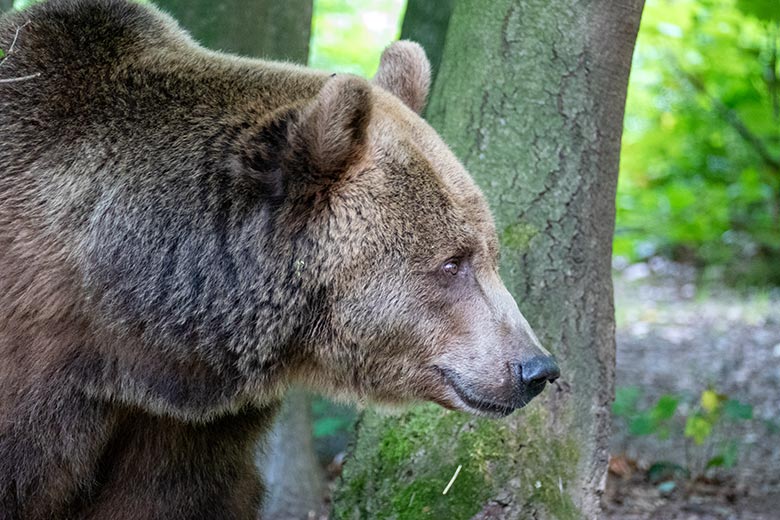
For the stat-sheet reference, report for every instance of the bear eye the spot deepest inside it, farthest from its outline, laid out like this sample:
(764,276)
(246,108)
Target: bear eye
(451,266)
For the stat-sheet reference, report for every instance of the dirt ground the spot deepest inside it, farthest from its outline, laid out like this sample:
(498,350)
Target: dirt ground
(676,337)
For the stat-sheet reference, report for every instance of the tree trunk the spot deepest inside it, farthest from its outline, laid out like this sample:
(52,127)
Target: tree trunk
(291,468)
(261,28)
(530,96)
(274,30)
(426,23)
(6,5)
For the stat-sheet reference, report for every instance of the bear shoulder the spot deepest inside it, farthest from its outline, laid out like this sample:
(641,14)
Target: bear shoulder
(74,31)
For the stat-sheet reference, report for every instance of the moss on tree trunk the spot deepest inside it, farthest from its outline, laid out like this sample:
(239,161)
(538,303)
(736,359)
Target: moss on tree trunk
(262,28)
(6,5)
(530,96)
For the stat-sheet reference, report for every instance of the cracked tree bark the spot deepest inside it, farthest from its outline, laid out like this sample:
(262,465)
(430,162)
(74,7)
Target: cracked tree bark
(530,95)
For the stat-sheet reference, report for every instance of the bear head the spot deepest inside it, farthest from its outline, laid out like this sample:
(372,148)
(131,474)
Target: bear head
(403,253)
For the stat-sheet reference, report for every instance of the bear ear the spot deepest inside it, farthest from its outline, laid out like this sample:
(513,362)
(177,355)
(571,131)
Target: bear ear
(332,133)
(405,71)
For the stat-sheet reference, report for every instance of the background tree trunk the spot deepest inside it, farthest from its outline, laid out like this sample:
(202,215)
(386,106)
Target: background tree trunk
(290,466)
(530,96)
(6,5)
(281,31)
(426,22)
(261,28)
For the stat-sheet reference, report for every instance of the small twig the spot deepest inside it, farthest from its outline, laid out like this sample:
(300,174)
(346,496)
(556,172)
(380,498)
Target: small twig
(21,78)
(452,480)
(16,36)
(10,51)
(13,43)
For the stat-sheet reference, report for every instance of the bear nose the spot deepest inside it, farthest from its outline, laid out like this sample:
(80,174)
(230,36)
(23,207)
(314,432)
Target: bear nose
(537,370)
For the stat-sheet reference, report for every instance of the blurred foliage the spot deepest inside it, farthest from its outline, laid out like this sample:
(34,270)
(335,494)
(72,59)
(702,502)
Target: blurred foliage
(331,418)
(333,428)
(705,427)
(22,4)
(349,35)
(699,176)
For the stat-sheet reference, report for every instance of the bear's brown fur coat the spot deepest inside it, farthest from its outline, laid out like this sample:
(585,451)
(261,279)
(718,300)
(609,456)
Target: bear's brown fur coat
(183,234)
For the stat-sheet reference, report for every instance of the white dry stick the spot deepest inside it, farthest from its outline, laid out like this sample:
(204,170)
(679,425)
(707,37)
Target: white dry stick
(452,480)
(16,36)
(21,78)
(13,43)
(8,55)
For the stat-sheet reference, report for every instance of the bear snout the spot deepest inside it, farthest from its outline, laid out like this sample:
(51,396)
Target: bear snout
(530,377)
(535,371)
(526,380)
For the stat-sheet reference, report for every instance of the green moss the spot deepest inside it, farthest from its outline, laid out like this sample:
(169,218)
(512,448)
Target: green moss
(423,498)
(548,466)
(399,470)
(394,447)
(517,236)
(401,465)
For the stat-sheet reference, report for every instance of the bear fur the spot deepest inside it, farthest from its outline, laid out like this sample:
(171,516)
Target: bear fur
(184,234)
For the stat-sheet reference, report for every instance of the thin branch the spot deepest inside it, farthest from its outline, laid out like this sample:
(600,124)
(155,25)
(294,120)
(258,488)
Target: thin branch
(8,54)
(13,43)
(16,36)
(452,480)
(21,78)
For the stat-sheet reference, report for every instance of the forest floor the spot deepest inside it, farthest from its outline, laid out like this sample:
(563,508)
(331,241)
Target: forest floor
(677,339)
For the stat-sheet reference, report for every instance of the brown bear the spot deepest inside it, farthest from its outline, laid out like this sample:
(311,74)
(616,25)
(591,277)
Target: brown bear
(184,234)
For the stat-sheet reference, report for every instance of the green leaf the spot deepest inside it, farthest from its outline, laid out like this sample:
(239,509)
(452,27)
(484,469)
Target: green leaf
(738,411)
(727,458)
(767,10)
(698,428)
(2,53)
(710,400)
(730,454)
(642,424)
(665,408)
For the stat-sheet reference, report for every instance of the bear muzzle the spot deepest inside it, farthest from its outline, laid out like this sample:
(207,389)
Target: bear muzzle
(530,377)
(526,380)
